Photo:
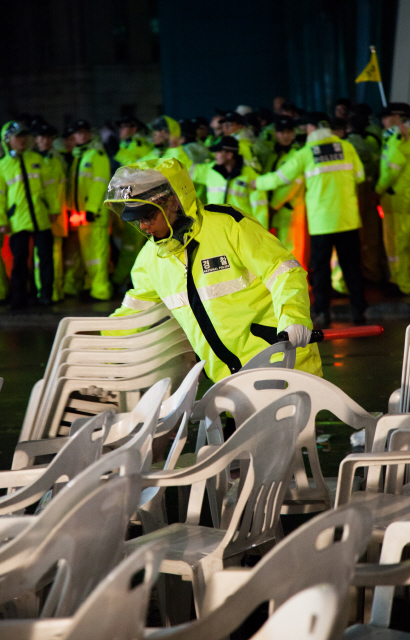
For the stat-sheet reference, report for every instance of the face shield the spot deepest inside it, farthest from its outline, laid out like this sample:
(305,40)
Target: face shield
(139,197)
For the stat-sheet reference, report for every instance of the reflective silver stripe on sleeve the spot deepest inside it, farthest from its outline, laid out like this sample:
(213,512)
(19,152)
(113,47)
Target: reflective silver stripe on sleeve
(329,168)
(394,166)
(89,263)
(299,181)
(34,175)
(48,182)
(97,179)
(13,180)
(259,203)
(176,301)
(238,194)
(216,189)
(138,305)
(85,174)
(283,268)
(283,177)
(220,289)
(359,174)
(2,193)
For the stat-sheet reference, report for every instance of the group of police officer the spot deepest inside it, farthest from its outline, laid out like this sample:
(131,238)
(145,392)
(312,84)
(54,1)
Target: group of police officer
(312,180)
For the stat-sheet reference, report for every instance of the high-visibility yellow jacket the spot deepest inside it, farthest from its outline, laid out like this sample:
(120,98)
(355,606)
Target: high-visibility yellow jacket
(89,177)
(132,149)
(28,195)
(392,163)
(56,169)
(247,150)
(170,152)
(332,169)
(234,190)
(231,289)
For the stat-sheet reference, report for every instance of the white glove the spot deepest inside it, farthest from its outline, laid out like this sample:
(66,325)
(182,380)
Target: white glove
(299,335)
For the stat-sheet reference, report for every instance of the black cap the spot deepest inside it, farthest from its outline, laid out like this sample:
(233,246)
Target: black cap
(396,108)
(339,123)
(346,102)
(77,125)
(200,120)
(233,116)
(317,118)
(228,143)
(43,129)
(285,123)
(188,129)
(264,114)
(130,121)
(159,124)
(67,131)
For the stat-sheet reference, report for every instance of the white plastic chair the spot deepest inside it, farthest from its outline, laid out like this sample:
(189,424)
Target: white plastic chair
(247,391)
(267,441)
(399,401)
(262,360)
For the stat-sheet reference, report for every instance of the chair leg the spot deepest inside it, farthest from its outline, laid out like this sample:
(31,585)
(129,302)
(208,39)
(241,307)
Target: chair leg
(203,570)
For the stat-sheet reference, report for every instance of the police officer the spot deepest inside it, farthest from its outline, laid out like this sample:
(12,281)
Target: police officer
(227,181)
(233,124)
(44,136)
(28,207)
(216,126)
(89,176)
(331,168)
(133,145)
(166,134)
(229,283)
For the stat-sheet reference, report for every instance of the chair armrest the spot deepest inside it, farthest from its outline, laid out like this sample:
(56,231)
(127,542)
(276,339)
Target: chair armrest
(26,451)
(373,575)
(354,461)
(19,478)
(182,477)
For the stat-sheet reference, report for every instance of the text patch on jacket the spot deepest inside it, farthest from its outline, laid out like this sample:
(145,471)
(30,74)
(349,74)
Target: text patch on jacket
(327,152)
(215,264)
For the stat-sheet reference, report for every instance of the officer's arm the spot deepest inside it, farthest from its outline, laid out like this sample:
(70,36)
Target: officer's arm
(288,172)
(4,221)
(99,182)
(199,173)
(281,196)
(358,168)
(390,170)
(281,273)
(259,204)
(50,189)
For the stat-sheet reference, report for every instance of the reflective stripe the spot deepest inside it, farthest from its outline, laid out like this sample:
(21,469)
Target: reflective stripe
(85,174)
(34,175)
(283,268)
(176,301)
(2,193)
(216,189)
(48,182)
(89,263)
(134,303)
(299,181)
(284,178)
(393,258)
(191,170)
(359,174)
(13,180)
(329,168)
(259,203)
(97,179)
(396,167)
(211,291)
(238,194)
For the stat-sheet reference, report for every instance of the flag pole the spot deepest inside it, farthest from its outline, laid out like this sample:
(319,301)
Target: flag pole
(381,89)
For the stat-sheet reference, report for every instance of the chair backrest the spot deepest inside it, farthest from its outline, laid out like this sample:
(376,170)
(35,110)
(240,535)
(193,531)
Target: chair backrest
(387,425)
(181,402)
(81,549)
(262,359)
(118,607)
(247,391)
(80,451)
(405,375)
(322,551)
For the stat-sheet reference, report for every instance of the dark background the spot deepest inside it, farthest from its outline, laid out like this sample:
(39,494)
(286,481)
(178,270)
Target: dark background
(100,58)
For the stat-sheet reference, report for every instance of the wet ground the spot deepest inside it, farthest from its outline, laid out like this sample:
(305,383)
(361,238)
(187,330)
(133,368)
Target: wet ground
(367,369)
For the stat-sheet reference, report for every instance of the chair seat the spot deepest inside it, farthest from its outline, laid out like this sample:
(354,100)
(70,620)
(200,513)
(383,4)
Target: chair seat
(315,505)
(385,508)
(369,632)
(187,544)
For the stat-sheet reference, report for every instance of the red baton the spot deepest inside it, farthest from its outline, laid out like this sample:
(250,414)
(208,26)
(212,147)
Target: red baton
(334,334)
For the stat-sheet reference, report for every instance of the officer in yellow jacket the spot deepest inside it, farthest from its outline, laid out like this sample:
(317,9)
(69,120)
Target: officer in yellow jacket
(227,181)
(88,180)
(229,283)
(133,145)
(28,206)
(166,135)
(331,168)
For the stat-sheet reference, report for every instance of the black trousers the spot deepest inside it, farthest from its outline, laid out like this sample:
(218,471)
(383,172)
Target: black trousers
(19,246)
(347,245)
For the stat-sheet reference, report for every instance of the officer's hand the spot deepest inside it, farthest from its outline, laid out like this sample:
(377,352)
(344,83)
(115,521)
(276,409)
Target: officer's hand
(253,184)
(53,217)
(89,216)
(5,228)
(299,335)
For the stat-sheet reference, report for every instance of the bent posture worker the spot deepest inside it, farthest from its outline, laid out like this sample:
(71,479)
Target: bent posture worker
(230,284)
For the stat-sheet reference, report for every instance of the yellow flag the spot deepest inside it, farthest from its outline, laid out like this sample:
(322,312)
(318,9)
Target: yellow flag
(371,73)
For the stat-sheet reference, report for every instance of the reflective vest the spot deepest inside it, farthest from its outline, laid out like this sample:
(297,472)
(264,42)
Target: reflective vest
(331,168)
(246,150)
(56,169)
(28,195)
(89,177)
(232,289)
(132,149)
(392,162)
(236,191)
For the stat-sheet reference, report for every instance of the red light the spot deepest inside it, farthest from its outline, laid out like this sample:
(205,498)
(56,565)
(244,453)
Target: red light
(338,364)
(381,212)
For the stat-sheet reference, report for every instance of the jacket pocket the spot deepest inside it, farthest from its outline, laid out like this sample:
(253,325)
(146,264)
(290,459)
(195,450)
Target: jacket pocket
(269,334)
(11,211)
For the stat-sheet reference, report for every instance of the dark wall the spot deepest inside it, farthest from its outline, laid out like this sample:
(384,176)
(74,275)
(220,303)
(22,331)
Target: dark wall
(236,52)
